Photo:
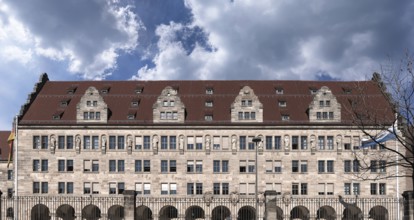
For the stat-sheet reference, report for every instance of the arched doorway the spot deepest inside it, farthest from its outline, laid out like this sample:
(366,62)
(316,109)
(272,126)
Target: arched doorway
(194,212)
(91,212)
(246,213)
(220,213)
(299,212)
(168,212)
(40,212)
(143,213)
(352,212)
(326,212)
(378,213)
(116,212)
(65,212)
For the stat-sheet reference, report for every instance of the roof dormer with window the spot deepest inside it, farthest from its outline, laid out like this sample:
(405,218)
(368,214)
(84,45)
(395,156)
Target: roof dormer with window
(324,107)
(92,108)
(168,107)
(246,107)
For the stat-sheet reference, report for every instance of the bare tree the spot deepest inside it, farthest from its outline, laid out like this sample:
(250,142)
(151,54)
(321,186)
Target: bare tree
(395,118)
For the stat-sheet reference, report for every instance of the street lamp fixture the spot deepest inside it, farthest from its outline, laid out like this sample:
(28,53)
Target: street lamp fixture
(256,140)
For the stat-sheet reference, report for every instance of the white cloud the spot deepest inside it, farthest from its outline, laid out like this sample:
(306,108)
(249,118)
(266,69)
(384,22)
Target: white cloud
(89,35)
(284,40)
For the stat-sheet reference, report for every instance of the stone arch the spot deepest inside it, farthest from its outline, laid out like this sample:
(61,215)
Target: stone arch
(378,213)
(143,212)
(194,212)
(91,212)
(65,212)
(352,212)
(299,212)
(116,212)
(246,213)
(168,212)
(220,213)
(326,212)
(40,212)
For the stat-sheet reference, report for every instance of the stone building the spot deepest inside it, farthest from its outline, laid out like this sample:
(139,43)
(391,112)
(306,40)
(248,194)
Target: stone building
(6,173)
(198,140)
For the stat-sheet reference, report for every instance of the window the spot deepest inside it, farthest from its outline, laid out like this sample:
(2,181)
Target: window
(295,166)
(330,142)
(138,165)
(194,188)
(91,188)
(220,188)
(143,188)
(273,166)
(36,142)
(247,166)
(303,188)
(282,103)
(277,142)
(208,117)
(268,142)
(246,103)
(301,166)
(190,143)
(95,142)
(347,166)
(223,164)
(198,168)
(356,188)
(61,142)
(373,188)
(355,166)
(247,188)
(321,142)
(321,166)
(330,166)
(303,142)
(36,165)
(65,187)
(164,142)
(116,188)
(285,117)
(242,142)
(92,166)
(86,142)
(116,165)
(116,142)
(45,187)
(325,188)
(373,166)
(44,165)
(168,188)
(295,142)
(347,188)
(216,143)
(209,104)
(9,174)
(382,166)
(168,166)
(44,142)
(36,187)
(279,91)
(173,142)
(247,115)
(251,144)
(147,142)
(65,165)
(382,189)
(318,116)
(209,91)
(199,143)
(147,166)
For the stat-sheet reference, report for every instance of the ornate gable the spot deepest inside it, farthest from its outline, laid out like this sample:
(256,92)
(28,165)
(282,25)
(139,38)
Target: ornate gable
(92,108)
(324,107)
(246,107)
(168,107)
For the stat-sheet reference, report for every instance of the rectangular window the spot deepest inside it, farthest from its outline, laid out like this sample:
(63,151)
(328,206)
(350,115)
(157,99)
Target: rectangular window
(87,166)
(295,188)
(295,142)
(138,165)
(147,142)
(355,165)
(45,187)
(36,142)
(121,187)
(251,166)
(225,189)
(304,166)
(147,166)
(330,142)
(147,188)
(36,165)
(36,187)
(278,166)
(321,166)
(138,143)
(173,188)
(61,142)
(321,142)
(216,166)
(121,165)
(224,166)
(164,166)
(9,174)
(373,188)
(69,142)
(45,142)
(173,166)
(164,142)
(243,166)
(242,142)
(61,187)
(190,188)
(86,142)
(347,188)
(216,143)
(69,187)
(199,189)
(190,166)
(95,165)
(304,189)
(173,142)
(190,143)
(373,166)
(199,166)
(112,165)
(330,189)
(295,166)
(112,188)
(277,142)
(330,166)
(61,165)
(121,142)
(95,142)
(199,143)
(45,164)
(347,166)
(138,188)
(382,189)
(216,188)
(303,142)
(356,188)
(382,166)
(269,142)
(164,188)
(251,144)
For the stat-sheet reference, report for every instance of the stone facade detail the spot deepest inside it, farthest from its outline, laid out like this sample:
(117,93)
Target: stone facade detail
(168,108)
(92,107)
(324,107)
(246,107)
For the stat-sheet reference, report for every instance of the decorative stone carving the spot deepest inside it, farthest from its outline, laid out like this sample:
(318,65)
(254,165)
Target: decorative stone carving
(234,144)
(260,145)
(52,145)
(260,198)
(129,144)
(234,198)
(181,144)
(78,143)
(208,198)
(339,144)
(155,144)
(286,144)
(286,198)
(312,144)
(103,144)
(208,144)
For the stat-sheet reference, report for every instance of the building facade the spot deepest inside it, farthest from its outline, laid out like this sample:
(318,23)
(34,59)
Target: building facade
(200,141)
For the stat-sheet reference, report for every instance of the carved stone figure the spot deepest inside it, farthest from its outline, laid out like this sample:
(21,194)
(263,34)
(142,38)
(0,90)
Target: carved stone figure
(103,141)
(130,142)
(286,140)
(260,145)
(52,144)
(286,198)
(208,143)
(155,143)
(260,198)
(339,142)
(181,144)
(234,197)
(208,198)
(233,143)
(78,144)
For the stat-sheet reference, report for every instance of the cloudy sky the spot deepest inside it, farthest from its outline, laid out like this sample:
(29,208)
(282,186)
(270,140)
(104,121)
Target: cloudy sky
(190,39)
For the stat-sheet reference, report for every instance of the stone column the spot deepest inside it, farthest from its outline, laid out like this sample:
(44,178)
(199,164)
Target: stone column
(270,204)
(129,208)
(408,205)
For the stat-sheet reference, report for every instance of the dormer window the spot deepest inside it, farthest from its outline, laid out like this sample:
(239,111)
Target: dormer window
(327,103)
(105,90)
(209,91)
(139,89)
(131,115)
(91,103)
(279,90)
(209,104)
(247,115)
(57,115)
(91,116)
(285,117)
(71,90)
(64,102)
(321,104)
(134,103)
(282,103)
(208,117)
(247,103)
(347,90)
(313,90)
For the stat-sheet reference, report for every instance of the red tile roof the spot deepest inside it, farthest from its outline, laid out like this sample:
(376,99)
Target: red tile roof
(193,94)
(4,146)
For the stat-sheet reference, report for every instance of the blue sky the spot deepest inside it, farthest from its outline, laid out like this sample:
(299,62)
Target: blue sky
(190,39)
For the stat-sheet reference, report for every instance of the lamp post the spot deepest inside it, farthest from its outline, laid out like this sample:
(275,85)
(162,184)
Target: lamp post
(256,140)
